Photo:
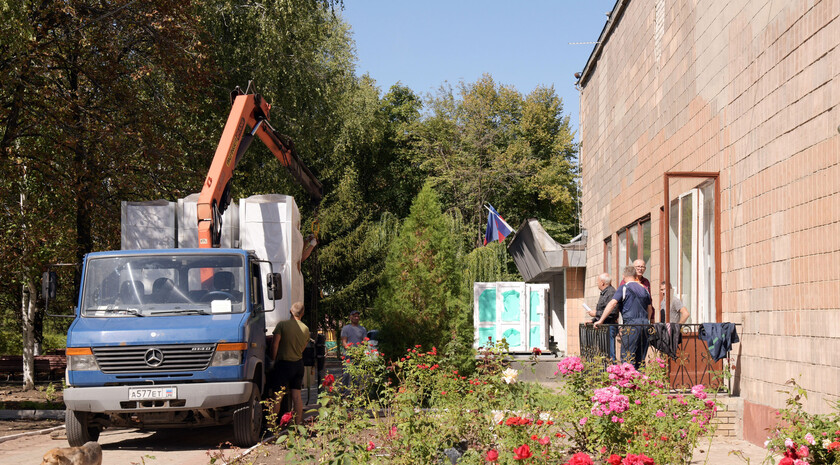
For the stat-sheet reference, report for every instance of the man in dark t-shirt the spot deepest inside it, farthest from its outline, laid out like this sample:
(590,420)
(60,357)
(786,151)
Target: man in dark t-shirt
(607,292)
(636,310)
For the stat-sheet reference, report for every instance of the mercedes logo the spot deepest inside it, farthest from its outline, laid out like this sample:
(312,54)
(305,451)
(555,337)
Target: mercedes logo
(153,357)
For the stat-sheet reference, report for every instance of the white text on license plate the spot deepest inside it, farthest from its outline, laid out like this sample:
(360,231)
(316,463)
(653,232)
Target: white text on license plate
(152,393)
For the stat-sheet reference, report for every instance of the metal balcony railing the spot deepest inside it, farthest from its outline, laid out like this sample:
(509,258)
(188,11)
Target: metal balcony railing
(689,364)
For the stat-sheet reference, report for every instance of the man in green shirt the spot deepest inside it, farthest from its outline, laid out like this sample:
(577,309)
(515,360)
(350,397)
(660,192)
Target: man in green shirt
(290,338)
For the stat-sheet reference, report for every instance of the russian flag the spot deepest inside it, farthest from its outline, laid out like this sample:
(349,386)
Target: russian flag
(497,228)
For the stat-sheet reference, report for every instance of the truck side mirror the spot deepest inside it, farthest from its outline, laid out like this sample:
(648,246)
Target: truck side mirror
(274,286)
(49,284)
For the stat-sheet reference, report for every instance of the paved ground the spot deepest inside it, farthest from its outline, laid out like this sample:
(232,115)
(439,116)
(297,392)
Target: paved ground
(725,451)
(126,446)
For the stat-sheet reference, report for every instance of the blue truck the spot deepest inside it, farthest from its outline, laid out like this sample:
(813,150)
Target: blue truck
(177,355)
(176,337)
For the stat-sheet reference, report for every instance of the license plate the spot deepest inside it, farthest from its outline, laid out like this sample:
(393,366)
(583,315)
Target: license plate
(152,393)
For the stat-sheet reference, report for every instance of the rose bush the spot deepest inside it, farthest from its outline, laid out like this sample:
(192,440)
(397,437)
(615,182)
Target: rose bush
(619,410)
(804,438)
(420,407)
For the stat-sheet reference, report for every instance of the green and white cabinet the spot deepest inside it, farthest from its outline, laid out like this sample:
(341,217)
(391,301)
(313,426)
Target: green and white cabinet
(514,311)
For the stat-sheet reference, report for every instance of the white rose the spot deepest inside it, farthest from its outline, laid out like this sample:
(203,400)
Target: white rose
(509,375)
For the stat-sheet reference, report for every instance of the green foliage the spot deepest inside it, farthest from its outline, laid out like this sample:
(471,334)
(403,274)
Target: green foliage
(490,144)
(431,406)
(422,298)
(125,101)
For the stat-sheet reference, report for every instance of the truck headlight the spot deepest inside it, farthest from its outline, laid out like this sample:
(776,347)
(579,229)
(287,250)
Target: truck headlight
(228,354)
(81,359)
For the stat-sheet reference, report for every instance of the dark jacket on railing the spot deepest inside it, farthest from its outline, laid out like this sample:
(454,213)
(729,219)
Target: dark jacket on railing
(666,338)
(719,337)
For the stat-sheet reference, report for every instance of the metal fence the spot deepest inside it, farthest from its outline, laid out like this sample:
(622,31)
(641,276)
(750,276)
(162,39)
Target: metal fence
(689,361)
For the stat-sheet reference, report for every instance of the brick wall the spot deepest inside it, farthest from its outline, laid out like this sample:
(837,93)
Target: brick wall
(749,89)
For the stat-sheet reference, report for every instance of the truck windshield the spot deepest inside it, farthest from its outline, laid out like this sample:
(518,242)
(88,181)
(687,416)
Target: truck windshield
(163,285)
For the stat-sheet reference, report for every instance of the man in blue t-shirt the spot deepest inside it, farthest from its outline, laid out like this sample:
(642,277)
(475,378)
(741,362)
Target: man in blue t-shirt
(634,303)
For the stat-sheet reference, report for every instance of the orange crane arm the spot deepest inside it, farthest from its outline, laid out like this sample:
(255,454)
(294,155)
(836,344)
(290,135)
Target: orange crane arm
(251,111)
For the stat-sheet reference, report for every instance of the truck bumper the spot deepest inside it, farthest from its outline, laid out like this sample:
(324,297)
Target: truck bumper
(114,399)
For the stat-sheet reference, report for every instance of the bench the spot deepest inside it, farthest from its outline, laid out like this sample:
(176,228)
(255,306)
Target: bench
(50,366)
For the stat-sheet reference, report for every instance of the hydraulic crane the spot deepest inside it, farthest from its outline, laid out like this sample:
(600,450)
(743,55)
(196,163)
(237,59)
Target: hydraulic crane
(249,111)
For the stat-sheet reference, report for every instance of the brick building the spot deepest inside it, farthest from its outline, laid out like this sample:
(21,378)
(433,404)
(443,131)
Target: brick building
(727,114)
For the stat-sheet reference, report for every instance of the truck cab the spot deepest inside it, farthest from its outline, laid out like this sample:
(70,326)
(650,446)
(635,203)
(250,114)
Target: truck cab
(168,338)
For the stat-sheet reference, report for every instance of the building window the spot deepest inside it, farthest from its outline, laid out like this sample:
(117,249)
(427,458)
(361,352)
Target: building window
(634,244)
(691,245)
(608,256)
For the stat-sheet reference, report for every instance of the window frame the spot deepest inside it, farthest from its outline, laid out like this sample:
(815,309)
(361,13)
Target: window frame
(640,243)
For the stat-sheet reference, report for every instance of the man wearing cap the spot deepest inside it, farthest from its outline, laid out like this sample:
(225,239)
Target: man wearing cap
(354,333)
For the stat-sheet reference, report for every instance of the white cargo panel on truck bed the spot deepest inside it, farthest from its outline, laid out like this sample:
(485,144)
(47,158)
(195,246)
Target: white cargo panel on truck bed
(270,226)
(267,224)
(147,225)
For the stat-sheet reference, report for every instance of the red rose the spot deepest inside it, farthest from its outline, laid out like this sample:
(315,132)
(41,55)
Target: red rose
(834,446)
(786,461)
(286,418)
(522,452)
(614,460)
(371,446)
(581,458)
(641,459)
(492,455)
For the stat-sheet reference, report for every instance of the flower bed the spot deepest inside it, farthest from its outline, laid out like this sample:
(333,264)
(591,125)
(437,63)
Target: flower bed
(803,438)
(421,409)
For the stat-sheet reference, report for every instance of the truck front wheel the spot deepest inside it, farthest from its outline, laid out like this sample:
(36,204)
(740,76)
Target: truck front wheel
(247,420)
(78,431)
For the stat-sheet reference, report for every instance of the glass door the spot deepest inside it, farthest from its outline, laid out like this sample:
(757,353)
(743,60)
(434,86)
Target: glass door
(692,256)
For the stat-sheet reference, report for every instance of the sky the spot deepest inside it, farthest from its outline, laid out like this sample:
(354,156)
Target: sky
(426,43)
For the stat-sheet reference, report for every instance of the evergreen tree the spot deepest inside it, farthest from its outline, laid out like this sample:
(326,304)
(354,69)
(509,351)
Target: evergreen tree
(422,298)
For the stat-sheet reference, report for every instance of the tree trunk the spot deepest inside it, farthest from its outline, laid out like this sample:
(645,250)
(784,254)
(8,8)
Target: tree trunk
(28,309)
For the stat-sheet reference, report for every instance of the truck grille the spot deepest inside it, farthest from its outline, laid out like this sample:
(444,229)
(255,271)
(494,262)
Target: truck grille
(154,359)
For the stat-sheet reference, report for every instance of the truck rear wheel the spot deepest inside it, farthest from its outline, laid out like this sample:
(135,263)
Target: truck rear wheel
(247,420)
(78,431)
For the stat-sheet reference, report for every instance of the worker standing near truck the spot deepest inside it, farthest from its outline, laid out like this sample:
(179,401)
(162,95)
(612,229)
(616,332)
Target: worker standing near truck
(353,333)
(290,339)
